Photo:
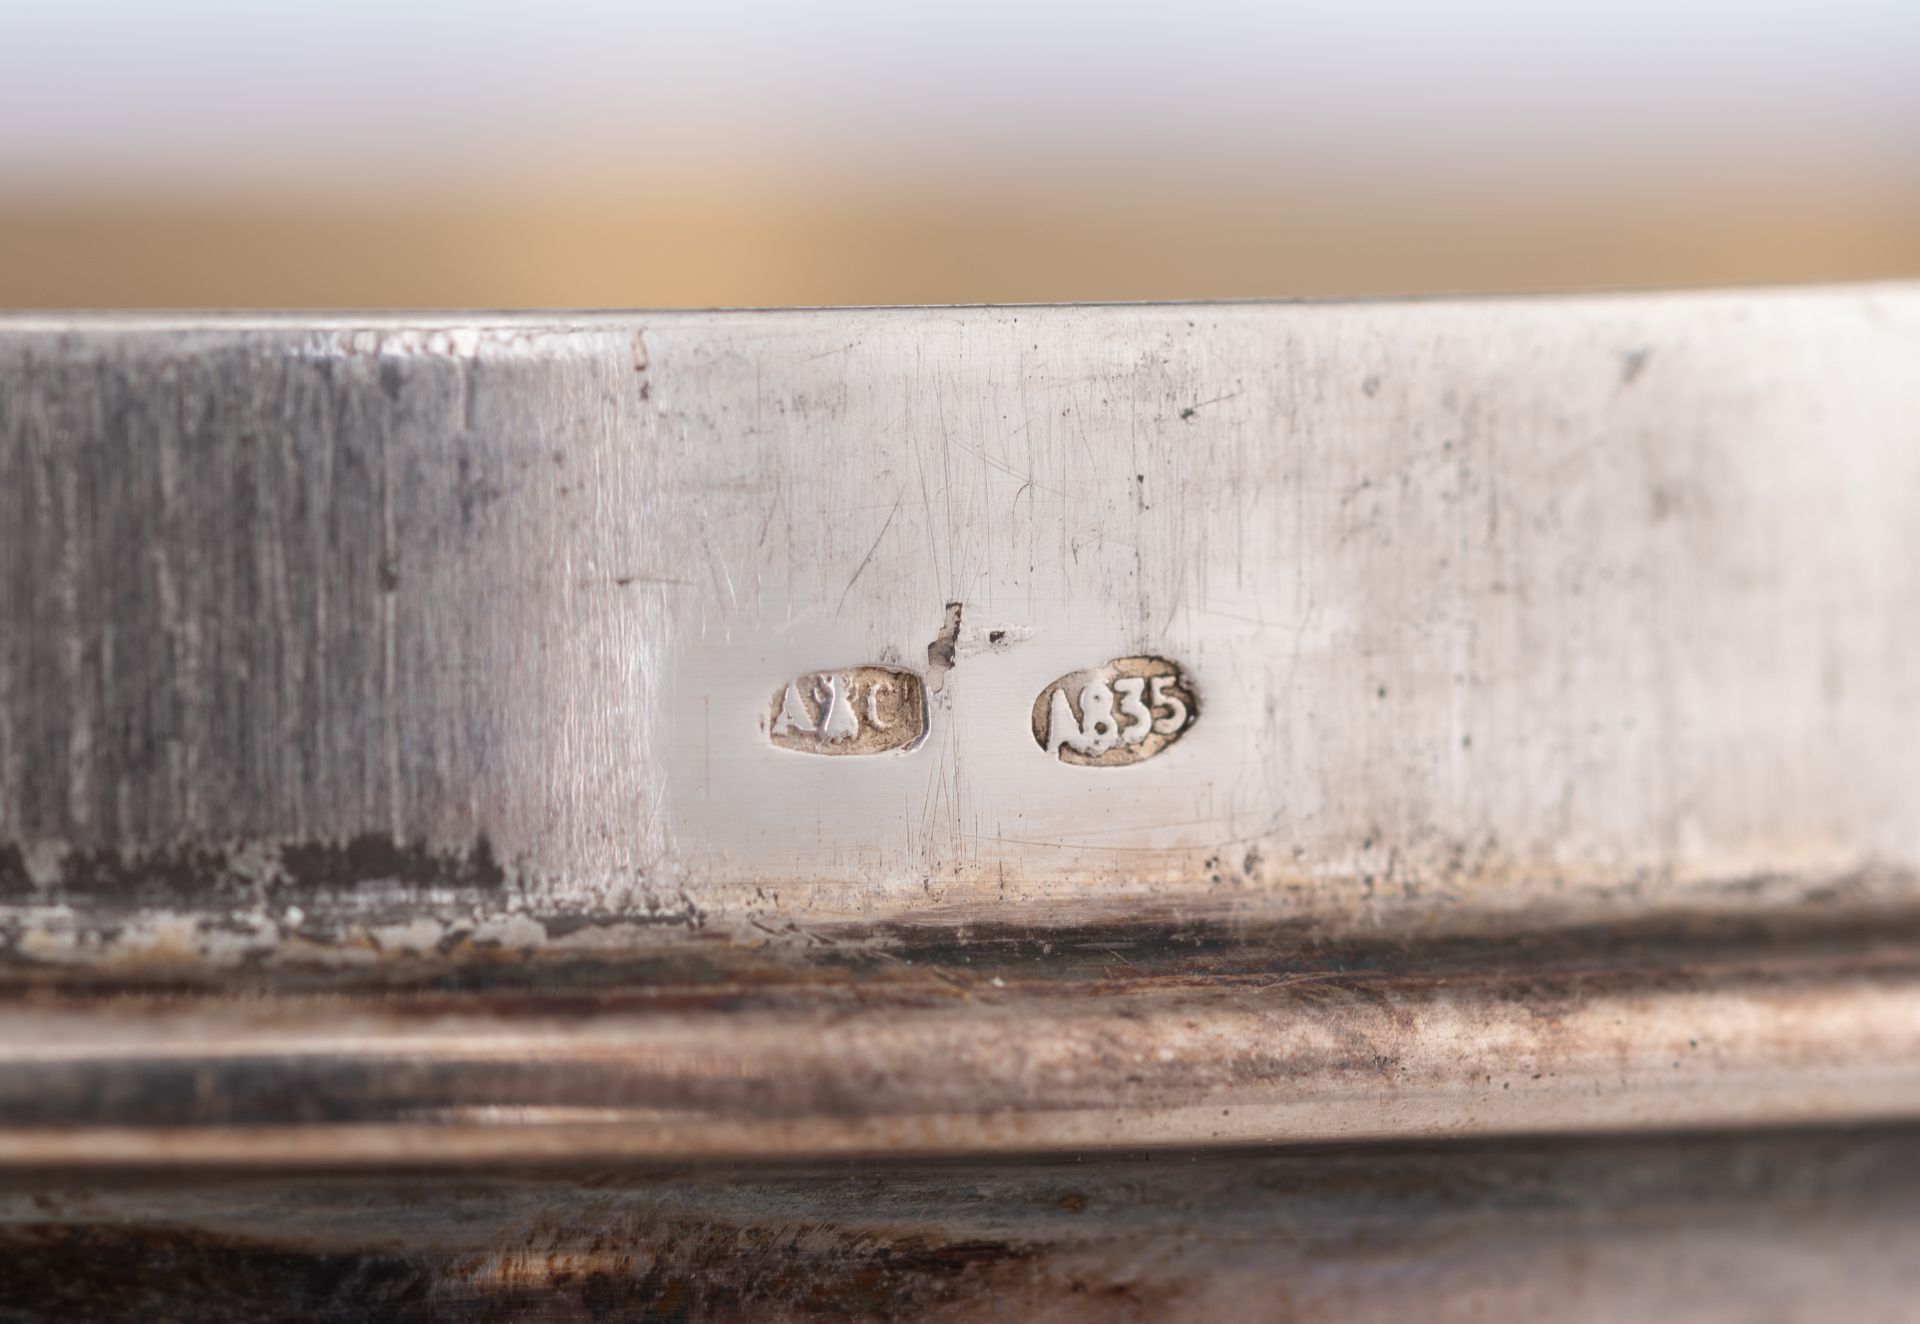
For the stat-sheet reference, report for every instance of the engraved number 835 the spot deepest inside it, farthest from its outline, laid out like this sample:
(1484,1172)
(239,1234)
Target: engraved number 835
(1099,727)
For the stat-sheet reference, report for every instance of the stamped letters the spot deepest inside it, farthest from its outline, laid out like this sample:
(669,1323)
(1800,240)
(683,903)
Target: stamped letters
(860,710)
(1112,715)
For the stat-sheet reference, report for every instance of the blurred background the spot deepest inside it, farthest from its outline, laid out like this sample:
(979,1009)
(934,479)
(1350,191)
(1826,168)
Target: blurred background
(593,153)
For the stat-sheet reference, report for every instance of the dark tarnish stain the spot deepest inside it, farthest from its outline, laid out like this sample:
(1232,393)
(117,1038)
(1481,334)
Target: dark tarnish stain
(941,651)
(15,882)
(371,858)
(210,877)
(135,1273)
(183,874)
(667,1270)
(1221,1234)
(1633,362)
(392,378)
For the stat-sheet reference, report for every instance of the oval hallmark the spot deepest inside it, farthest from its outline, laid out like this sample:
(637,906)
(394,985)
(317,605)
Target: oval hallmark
(1113,715)
(857,710)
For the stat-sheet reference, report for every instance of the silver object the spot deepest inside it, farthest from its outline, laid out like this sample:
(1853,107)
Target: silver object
(1548,759)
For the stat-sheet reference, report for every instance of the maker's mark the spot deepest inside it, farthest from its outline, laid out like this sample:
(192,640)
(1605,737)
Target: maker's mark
(860,710)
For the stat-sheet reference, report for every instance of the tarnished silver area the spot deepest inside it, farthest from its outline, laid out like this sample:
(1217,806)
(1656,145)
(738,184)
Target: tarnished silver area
(1110,716)
(1772,1226)
(1075,1041)
(860,710)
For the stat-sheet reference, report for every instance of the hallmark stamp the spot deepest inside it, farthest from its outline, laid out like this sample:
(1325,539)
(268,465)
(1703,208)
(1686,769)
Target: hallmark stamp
(859,710)
(1112,715)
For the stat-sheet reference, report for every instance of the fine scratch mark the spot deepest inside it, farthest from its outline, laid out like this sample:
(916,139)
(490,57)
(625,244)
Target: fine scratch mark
(622,581)
(722,577)
(926,504)
(867,559)
(1194,408)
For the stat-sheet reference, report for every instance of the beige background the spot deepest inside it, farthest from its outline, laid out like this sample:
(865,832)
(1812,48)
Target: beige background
(590,153)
